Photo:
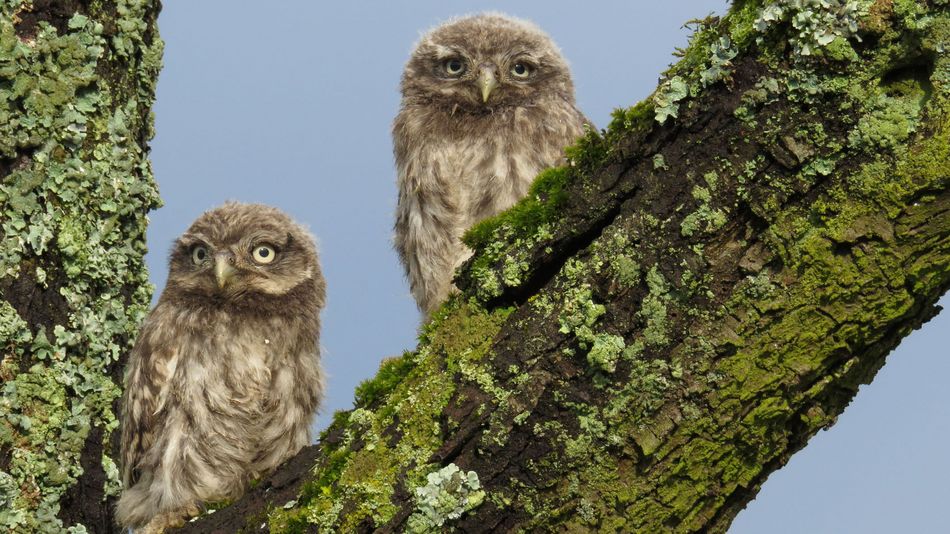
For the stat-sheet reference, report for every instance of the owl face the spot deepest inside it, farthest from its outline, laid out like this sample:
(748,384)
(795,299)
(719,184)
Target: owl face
(240,249)
(483,62)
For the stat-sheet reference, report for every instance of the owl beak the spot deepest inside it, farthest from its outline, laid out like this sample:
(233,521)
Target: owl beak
(223,270)
(487,81)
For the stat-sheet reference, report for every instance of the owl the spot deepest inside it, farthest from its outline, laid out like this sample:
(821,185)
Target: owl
(487,103)
(224,378)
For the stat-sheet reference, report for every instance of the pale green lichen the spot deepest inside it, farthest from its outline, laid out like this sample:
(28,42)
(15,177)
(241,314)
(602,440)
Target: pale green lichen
(605,352)
(888,123)
(704,218)
(760,286)
(765,91)
(667,98)
(720,62)
(626,270)
(579,314)
(515,261)
(448,493)
(654,311)
(816,23)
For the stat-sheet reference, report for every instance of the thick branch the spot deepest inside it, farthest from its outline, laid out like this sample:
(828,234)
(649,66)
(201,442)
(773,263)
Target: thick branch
(661,325)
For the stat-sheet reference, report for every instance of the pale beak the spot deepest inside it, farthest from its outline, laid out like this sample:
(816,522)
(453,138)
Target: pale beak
(223,270)
(487,81)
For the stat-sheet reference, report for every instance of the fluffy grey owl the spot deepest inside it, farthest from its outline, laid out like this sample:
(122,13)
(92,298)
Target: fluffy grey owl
(225,375)
(487,103)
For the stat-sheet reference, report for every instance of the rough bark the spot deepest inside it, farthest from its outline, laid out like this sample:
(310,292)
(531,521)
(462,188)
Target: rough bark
(77,81)
(662,324)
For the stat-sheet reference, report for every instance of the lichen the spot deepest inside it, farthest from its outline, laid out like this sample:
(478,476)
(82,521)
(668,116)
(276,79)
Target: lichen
(667,98)
(605,352)
(887,124)
(816,23)
(705,218)
(654,311)
(720,62)
(448,493)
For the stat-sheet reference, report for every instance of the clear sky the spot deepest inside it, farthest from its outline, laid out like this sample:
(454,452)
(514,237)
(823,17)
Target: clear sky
(289,103)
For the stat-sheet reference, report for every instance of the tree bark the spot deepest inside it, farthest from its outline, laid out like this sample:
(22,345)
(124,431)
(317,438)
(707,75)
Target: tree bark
(659,326)
(77,81)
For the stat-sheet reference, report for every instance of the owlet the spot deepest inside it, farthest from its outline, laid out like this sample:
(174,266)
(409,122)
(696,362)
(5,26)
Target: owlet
(224,378)
(487,103)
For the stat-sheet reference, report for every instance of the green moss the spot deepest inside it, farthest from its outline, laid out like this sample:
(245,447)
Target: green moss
(740,22)
(508,237)
(539,206)
(638,118)
(74,117)
(840,49)
(390,373)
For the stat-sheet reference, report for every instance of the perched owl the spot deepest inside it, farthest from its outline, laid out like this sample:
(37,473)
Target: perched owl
(225,375)
(487,103)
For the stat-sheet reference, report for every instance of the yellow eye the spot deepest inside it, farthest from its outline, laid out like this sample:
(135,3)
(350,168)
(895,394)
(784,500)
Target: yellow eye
(454,67)
(264,254)
(521,70)
(199,254)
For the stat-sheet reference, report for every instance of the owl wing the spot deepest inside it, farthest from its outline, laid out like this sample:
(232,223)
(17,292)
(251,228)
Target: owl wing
(151,366)
(427,220)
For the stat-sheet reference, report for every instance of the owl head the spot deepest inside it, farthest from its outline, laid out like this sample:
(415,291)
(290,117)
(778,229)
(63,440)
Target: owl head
(486,61)
(244,252)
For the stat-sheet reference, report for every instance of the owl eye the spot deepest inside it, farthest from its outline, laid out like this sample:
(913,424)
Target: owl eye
(199,254)
(521,70)
(264,254)
(454,67)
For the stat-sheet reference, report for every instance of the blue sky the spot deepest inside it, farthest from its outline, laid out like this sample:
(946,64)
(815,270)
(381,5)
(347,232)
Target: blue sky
(290,103)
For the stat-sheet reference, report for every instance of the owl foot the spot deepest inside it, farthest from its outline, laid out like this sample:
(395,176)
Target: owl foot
(173,519)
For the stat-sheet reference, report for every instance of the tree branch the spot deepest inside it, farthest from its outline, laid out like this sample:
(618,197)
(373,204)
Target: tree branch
(659,326)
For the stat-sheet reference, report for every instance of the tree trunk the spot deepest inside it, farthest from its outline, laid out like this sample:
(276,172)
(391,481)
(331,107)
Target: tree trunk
(659,326)
(77,80)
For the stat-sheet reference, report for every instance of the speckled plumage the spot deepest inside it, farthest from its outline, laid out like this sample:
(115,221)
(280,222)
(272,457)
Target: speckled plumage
(225,375)
(468,145)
